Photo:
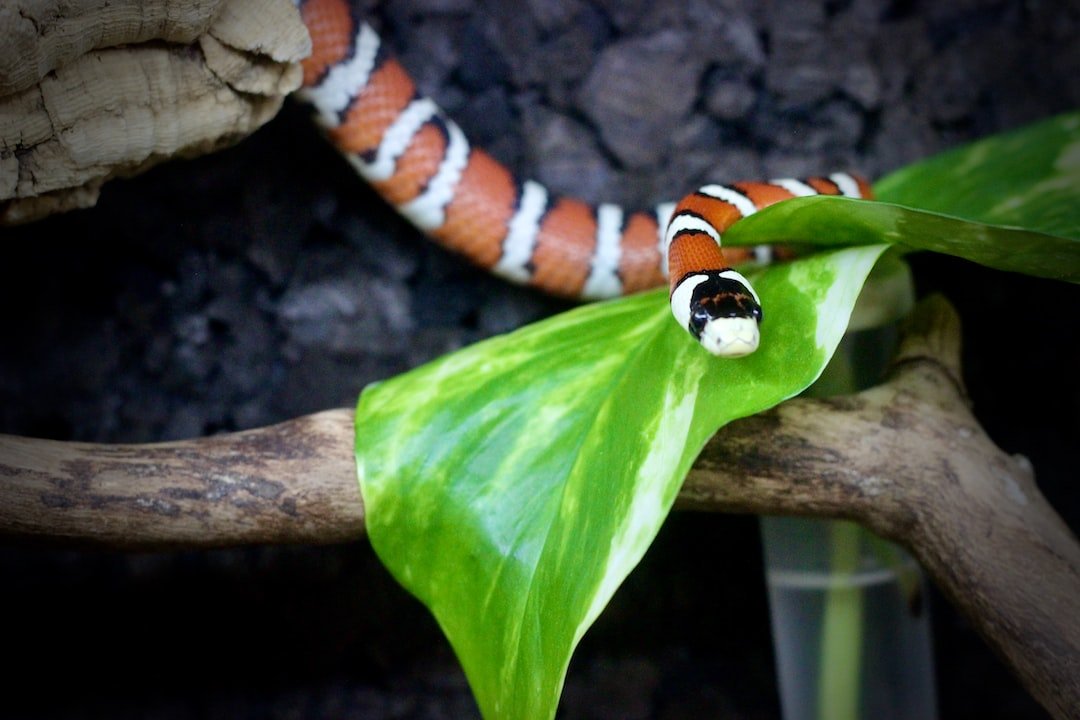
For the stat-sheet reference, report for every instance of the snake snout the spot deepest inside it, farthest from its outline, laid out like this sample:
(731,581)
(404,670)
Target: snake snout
(731,336)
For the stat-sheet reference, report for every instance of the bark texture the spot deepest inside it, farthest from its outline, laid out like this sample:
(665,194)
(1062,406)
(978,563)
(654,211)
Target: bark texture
(289,483)
(91,90)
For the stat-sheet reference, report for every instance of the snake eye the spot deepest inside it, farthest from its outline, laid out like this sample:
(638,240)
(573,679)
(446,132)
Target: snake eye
(699,318)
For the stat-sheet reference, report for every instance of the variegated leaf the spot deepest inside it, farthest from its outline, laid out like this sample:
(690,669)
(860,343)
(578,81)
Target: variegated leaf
(1010,202)
(513,485)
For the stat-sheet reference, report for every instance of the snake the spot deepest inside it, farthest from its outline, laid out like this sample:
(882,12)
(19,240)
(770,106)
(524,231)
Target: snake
(420,161)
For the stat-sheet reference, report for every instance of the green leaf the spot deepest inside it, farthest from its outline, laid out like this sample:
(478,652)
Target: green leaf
(1027,178)
(1011,202)
(835,221)
(513,485)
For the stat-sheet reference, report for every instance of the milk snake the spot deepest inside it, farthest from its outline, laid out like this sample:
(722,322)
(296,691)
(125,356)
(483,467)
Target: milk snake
(419,160)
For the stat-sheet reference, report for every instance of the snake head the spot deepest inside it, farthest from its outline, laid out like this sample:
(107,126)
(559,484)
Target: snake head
(724,312)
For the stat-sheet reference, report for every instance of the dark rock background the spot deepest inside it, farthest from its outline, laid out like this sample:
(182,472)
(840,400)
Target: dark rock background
(267,281)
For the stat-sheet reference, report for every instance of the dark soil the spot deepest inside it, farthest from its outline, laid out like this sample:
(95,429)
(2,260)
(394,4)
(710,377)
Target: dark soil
(267,281)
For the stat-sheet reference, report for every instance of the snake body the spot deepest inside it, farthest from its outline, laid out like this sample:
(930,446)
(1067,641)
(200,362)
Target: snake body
(420,161)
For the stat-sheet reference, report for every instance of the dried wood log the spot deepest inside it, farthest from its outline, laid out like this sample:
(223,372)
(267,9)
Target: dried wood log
(906,458)
(91,90)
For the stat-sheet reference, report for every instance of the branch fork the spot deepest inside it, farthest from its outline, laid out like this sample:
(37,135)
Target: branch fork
(906,458)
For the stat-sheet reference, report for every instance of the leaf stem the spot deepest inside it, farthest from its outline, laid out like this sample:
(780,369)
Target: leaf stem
(840,664)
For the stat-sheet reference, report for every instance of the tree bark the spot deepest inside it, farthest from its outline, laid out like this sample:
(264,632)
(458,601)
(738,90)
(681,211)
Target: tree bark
(94,89)
(906,458)
(289,483)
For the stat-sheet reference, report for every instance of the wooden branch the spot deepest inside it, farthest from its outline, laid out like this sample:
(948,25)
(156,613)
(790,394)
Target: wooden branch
(909,460)
(289,483)
(905,458)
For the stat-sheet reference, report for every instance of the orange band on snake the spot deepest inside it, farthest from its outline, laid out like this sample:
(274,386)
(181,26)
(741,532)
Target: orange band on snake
(419,160)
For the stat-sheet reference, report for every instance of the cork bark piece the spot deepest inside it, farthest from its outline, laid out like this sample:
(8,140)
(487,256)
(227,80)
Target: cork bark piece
(44,35)
(119,87)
